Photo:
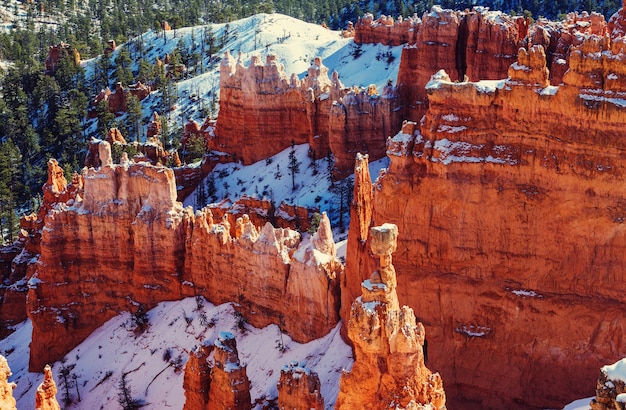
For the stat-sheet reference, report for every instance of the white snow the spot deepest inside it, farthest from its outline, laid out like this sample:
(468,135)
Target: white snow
(270,179)
(581,404)
(618,102)
(489,86)
(526,293)
(616,371)
(473,330)
(460,151)
(114,348)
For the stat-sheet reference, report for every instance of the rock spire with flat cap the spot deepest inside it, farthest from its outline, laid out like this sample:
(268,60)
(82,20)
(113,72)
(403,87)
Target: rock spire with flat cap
(389,369)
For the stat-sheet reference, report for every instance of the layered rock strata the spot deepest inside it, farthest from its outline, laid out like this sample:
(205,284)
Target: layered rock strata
(511,192)
(385,30)
(7,401)
(230,387)
(126,244)
(46,395)
(479,44)
(262,111)
(389,369)
(299,388)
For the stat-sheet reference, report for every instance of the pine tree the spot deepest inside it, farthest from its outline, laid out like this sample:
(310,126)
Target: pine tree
(294,165)
(135,114)
(123,73)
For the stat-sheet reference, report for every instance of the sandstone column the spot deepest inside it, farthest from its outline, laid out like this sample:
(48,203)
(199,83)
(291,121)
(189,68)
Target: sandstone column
(389,370)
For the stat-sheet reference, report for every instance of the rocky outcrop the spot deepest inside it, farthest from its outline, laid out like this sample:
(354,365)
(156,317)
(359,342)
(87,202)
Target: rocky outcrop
(197,379)
(479,44)
(264,107)
(509,191)
(361,122)
(7,401)
(262,111)
(259,212)
(55,53)
(299,388)
(118,98)
(46,396)
(357,250)
(125,243)
(385,30)
(611,387)
(230,387)
(557,38)
(388,369)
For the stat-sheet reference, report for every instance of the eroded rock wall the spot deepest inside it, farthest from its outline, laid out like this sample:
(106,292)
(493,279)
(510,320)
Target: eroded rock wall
(262,111)
(127,244)
(509,192)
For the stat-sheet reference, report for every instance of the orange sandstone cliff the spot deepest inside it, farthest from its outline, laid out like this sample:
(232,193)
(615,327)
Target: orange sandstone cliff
(262,110)
(126,244)
(510,194)
(389,368)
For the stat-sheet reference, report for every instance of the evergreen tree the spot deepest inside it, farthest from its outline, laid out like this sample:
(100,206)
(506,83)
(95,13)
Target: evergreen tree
(294,165)
(123,73)
(133,108)
(11,187)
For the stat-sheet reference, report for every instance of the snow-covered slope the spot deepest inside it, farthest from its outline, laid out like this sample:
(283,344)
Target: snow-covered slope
(272,180)
(294,42)
(160,353)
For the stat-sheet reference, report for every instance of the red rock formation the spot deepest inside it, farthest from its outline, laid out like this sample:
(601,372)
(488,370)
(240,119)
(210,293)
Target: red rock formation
(114,136)
(254,101)
(118,99)
(361,122)
(46,396)
(299,389)
(154,126)
(357,251)
(479,44)
(508,191)
(7,402)
(197,380)
(385,30)
(261,211)
(56,52)
(127,242)
(388,369)
(230,387)
(261,111)
(193,129)
(557,38)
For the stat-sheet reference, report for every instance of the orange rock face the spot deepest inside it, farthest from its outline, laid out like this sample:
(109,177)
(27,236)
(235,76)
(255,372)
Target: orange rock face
(507,192)
(46,396)
(127,241)
(385,30)
(197,381)
(299,389)
(262,111)
(230,387)
(389,369)
(7,401)
(479,44)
